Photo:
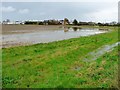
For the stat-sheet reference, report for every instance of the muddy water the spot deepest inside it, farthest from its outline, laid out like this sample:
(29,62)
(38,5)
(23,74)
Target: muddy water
(44,36)
(99,52)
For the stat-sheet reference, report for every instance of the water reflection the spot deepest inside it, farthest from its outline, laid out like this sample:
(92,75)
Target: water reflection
(66,29)
(46,36)
(75,28)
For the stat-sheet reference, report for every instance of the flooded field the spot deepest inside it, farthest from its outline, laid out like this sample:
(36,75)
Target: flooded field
(80,62)
(14,35)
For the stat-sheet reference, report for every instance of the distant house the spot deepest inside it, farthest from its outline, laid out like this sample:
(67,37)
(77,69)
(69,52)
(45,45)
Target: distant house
(12,22)
(83,23)
(91,23)
(45,22)
(6,21)
(113,23)
(62,22)
(18,22)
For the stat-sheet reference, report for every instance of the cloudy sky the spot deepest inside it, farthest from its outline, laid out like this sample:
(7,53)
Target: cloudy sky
(82,11)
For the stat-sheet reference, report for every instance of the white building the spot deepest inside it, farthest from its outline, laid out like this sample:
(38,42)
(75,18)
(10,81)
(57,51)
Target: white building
(12,22)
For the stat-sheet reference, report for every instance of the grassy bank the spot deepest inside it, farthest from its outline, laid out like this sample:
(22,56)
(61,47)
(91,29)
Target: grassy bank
(55,64)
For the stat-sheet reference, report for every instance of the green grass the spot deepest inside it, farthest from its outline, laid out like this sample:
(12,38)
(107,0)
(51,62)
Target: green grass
(53,65)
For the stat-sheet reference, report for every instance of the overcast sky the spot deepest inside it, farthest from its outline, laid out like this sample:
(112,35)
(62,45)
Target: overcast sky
(82,11)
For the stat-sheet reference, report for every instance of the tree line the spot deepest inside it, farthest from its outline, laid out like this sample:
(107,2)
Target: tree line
(67,22)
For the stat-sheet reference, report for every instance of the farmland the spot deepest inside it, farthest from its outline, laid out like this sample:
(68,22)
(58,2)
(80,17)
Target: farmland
(60,64)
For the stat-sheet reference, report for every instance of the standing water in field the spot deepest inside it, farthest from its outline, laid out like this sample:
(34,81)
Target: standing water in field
(99,52)
(26,37)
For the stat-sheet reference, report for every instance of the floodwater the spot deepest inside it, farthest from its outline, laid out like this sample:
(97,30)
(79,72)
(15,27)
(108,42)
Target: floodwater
(26,37)
(100,51)
(97,53)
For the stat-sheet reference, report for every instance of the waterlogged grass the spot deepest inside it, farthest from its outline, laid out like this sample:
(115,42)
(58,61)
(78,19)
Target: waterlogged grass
(102,73)
(60,64)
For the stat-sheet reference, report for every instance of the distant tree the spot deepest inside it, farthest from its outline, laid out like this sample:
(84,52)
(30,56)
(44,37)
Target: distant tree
(53,22)
(31,22)
(40,23)
(66,21)
(75,28)
(106,24)
(100,24)
(118,24)
(8,20)
(75,22)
